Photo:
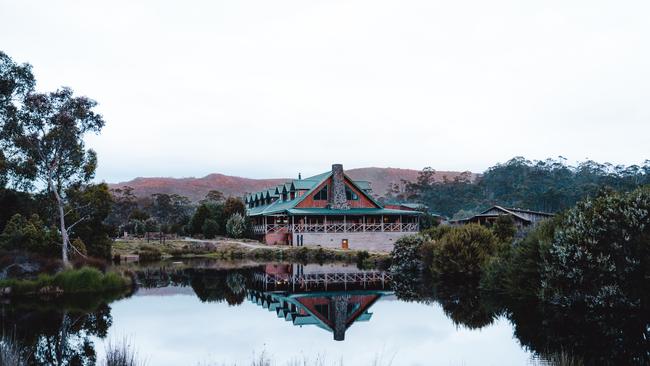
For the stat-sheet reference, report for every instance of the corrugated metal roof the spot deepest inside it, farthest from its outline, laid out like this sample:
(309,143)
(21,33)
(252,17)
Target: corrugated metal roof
(310,184)
(351,211)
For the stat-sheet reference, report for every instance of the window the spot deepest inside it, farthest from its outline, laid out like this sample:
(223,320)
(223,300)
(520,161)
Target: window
(350,195)
(321,195)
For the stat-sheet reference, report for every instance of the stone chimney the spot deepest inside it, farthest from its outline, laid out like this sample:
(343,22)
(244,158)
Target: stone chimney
(338,200)
(339,305)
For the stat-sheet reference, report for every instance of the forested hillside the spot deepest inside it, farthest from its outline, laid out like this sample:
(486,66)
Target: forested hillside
(548,185)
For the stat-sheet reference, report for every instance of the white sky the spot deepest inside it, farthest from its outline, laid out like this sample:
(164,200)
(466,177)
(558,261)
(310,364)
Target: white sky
(269,88)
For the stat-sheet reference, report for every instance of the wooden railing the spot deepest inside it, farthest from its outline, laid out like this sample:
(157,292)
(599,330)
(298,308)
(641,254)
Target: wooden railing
(323,278)
(337,228)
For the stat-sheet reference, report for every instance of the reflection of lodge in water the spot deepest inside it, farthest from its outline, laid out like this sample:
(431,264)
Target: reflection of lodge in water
(332,298)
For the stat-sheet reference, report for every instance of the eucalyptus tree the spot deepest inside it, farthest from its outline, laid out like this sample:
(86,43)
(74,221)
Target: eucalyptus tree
(44,146)
(16,81)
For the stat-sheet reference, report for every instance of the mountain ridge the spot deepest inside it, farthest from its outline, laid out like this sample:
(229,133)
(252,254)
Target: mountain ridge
(381,179)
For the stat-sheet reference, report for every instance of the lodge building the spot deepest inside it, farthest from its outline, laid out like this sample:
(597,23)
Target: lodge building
(328,210)
(522,218)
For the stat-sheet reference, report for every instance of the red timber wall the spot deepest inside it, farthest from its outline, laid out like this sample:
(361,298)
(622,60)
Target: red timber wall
(362,202)
(281,237)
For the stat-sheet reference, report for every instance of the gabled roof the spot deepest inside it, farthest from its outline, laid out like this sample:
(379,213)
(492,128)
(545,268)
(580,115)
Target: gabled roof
(363,185)
(516,212)
(304,184)
(310,184)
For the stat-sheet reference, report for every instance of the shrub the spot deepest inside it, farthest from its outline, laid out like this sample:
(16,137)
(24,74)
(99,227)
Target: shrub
(210,228)
(149,253)
(31,235)
(463,251)
(406,255)
(362,256)
(88,280)
(236,226)
(151,225)
(518,271)
(600,257)
(435,233)
(504,228)
(84,280)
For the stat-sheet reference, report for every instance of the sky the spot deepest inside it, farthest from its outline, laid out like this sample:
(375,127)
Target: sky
(261,89)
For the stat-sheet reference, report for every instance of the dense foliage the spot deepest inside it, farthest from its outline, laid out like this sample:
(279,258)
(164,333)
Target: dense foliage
(600,256)
(236,226)
(463,252)
(577,283)
(549,185)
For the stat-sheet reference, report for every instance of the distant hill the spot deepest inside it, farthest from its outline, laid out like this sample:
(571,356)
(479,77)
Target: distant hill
(196,188)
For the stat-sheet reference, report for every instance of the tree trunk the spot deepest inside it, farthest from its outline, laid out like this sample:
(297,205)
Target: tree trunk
(64,231)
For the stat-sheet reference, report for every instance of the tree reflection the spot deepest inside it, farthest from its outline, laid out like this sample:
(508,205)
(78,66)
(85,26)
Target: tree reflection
(58,332)
(613,337)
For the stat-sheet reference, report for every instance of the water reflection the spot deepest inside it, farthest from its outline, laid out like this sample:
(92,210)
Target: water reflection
(59,331)
(331,297)
(335,298)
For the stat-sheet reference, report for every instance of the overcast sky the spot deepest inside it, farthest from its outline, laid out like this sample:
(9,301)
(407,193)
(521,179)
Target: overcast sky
(269,88)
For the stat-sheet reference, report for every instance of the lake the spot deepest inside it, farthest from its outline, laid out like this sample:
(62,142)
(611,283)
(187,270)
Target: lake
(213,313)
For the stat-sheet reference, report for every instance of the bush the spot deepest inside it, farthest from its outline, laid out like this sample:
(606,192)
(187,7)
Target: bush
(504,228)
(517,272)
(236,226)
(463,251)
(210,228)
(84,280)
(149,253)
(406,256)
(435,233)
(30,235)
(151,225)
(600,257)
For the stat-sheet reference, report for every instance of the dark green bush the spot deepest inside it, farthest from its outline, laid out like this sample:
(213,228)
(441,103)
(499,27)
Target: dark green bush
(504,228)
(463,251)
(437,232)
(210,228)
(406,256)
(517,272)
(600,256)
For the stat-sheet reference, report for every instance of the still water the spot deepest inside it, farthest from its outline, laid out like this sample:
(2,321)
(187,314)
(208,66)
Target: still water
(215,313)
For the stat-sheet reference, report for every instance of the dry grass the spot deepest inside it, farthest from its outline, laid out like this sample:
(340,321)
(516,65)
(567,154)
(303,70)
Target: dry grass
(11,353)
(122,353)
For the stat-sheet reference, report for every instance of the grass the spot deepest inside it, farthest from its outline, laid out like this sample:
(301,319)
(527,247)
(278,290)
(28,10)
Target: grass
(11,353)
(263,359)
(72,281)
(561,358)
(228,250)
(121,354)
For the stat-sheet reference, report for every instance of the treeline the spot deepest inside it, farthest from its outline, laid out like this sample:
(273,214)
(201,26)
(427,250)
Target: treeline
(174,214)
(546,185)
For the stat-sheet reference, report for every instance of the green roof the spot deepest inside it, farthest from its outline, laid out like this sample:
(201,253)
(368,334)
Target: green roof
(310,184)
(364,185)
(350,212)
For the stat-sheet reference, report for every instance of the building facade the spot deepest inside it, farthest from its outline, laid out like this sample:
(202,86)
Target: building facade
(328,210)
(522,218)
